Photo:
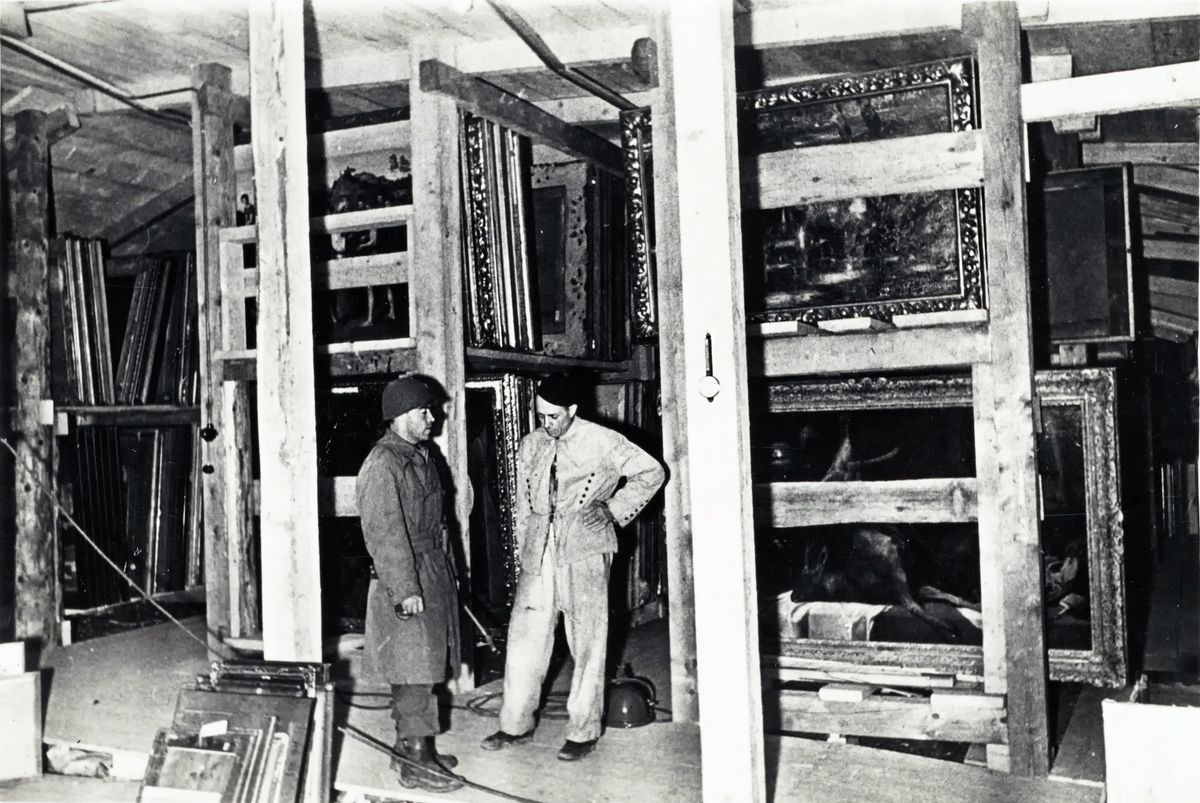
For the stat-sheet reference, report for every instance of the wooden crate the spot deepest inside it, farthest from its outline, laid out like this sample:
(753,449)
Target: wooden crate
(1150,749)
(20,725)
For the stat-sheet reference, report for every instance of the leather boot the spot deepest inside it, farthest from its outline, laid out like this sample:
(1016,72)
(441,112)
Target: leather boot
(405,746)
(425,773)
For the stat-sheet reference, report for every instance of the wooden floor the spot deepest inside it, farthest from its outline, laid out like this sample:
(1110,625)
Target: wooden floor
(117,691)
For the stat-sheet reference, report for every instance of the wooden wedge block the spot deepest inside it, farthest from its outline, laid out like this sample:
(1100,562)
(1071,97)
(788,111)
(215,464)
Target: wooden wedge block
(845,692)
(838,325)
(958,699)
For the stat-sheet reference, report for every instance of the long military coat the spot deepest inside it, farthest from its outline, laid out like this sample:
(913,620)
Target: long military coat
(400,504)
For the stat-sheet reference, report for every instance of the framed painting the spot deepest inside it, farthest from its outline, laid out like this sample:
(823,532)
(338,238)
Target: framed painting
(498,413)
(911,428)
(1085,260)
(561,253)
(639,207)
(871,256)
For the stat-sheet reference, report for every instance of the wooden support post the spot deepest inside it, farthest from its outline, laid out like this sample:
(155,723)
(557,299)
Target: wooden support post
(1011,568)
(435,278)
(231,596)
(287,433)
(681,604)
(703,174)
(36,587)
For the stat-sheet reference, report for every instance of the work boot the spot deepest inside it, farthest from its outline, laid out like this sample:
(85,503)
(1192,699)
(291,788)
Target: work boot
(500,739)
(404,746)
(445,759)
(422,771)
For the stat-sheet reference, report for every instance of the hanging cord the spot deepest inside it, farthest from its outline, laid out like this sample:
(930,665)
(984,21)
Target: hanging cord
(87,539)
(371,741)
(93,81)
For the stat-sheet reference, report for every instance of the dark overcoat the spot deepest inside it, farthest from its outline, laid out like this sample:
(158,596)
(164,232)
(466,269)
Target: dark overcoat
(400,504)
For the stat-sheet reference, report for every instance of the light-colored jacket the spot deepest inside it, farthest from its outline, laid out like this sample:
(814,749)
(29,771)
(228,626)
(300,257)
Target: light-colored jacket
(592,461)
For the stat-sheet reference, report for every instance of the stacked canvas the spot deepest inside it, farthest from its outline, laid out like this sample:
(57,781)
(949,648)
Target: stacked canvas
(158,353)
(80,344)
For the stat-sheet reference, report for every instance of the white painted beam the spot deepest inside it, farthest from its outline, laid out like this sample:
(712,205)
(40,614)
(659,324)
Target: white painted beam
(702,171)
(291,577)
(1171,85)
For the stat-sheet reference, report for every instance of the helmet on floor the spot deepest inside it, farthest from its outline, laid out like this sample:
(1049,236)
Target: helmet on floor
(630,703)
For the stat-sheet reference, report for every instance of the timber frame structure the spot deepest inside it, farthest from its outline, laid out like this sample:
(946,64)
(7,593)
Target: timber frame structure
(715,658)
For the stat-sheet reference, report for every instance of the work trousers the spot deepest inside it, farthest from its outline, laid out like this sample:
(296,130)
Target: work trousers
(579,591)
(415,710)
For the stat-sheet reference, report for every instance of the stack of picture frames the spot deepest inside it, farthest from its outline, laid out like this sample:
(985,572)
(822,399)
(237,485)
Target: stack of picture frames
(499,283)
(895,260)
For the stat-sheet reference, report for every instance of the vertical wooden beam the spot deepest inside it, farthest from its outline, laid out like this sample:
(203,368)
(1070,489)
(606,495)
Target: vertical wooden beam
(681,604)
(1008,502)
(435,275)
(291,588)
(699,101)
(36,606)
(231,594)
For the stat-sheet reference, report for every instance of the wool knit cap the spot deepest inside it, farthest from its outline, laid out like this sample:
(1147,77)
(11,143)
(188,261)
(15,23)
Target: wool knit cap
(408,393)
(562,391)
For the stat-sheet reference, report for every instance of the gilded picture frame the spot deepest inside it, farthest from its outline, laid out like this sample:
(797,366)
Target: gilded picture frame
(869,256)
(1077,450)
(637,152)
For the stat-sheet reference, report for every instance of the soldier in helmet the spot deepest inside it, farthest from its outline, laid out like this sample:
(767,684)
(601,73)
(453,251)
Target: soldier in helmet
(412,620)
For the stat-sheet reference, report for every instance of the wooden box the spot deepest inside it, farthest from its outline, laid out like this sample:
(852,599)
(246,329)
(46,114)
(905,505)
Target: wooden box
(1150,748)
(20,725)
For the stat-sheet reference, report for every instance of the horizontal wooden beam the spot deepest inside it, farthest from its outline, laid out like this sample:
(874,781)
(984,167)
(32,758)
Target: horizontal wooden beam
(371,270)
(1177,305)
(391,135)
(884,716)
(510,54)
(811,22)
(887,167)
(331,224)
(895,350)
(1169,153)
(1110,93)
(519,115)
(1184,251)
(802,504)
(1169,178)
(1163,285)
(169,200)
(1167,320)
(392,356)
(132,415)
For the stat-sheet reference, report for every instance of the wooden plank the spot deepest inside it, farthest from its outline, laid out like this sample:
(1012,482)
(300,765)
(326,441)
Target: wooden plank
(331,224)
(291,590)
(37,596)
(1150,751)
(899,350)
(177,196)
(1080,756)
(883,716)
(681,608)
(801,504)
(13,21)
(519,115)
(698,87)
(370,270)
(1005,448)
(1179,305)
(1181,323)
(1171,179)
(435,286)
(232,607)
(1171,249)
(1110,93)
(888,167)
(848,20)
(342,142)
(390,356)
(1167,153)
(21,734)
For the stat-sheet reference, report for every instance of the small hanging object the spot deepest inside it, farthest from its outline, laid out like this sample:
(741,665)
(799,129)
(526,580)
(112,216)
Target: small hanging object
(709,386)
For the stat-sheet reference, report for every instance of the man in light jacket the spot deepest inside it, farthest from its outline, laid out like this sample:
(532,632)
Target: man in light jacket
(412,612)
(570,498)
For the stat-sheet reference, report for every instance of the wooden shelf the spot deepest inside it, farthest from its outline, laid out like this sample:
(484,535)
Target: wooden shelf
(483,359)
(392,355)
(331,224)
(139,415)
